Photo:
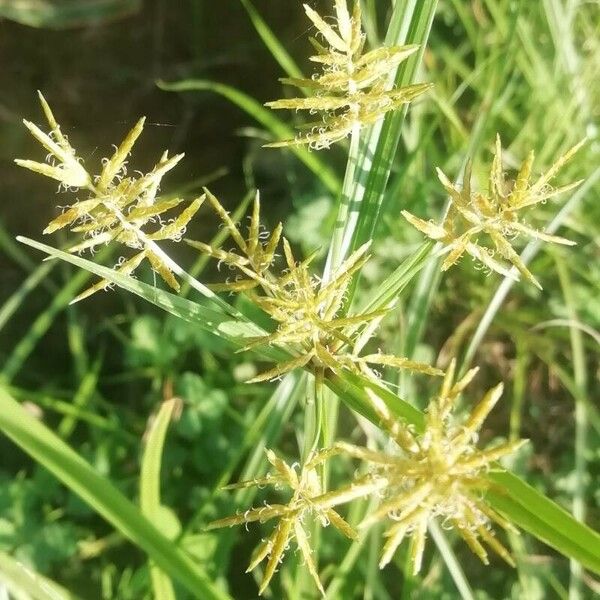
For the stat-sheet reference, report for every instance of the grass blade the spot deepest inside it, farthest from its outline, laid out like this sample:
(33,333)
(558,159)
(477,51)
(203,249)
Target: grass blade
(581,416)
(275,47)
(545,519)
(12,304)
(150,488)
(19,579)
(64,15)
(452,563)
(43,322)
(213,319)
(388,290)
(66,465)
(410,24)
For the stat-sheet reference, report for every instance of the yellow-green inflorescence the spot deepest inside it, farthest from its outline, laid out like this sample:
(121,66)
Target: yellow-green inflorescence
(436,473)
(304,309)
(308,503)
(118,207)
(353,90)
(484,225)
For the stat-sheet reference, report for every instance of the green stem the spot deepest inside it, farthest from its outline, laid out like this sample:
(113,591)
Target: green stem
(313,434)
(452,563)
(347,216)
(519,389)
(312,417)
(581,419)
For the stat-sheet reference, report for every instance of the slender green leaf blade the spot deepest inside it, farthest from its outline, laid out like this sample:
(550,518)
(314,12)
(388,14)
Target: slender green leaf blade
(65,15)
(211,319)
(545,519)
(20,579)
(150,488)
(65,464)
(275,47)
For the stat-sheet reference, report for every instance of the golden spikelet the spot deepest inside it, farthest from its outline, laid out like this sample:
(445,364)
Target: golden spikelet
(439,473)
(305,310)
(118,208)
(475,218)
(353,90)
(307,504)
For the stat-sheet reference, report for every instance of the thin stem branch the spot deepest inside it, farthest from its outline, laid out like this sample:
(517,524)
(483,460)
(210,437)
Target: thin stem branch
(347,216)
(581,420)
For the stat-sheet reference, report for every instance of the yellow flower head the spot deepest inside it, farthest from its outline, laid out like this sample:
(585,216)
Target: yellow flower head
(118,207)
(352,90)
(439,473)
(475,218)
(307,503)
(304,309)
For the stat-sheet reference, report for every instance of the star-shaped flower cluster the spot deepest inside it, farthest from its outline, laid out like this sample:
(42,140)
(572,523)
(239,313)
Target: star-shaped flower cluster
(439,473)
(353,89)
(475,219)
(307,504)
(305,309)
(118,207)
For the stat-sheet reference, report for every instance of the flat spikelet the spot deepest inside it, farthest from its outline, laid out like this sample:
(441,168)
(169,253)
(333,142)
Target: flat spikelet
(118,208)
(352,90)
(308,503)
(436,474)
(305,310)
(485,225)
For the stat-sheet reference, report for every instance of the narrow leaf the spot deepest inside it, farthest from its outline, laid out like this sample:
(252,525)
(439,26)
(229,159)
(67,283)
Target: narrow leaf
(64,463)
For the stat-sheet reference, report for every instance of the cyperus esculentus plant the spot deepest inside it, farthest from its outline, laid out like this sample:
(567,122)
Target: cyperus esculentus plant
(416,468)
(353,89)
(495,215)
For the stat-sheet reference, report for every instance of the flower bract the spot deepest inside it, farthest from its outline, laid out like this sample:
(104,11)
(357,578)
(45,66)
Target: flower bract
(352,90)
(484,225)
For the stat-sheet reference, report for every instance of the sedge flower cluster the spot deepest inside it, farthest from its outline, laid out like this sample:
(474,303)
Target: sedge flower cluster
(118,207)
(308,504)
(439,473)
(305,309)
(484,225)
(353,90)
